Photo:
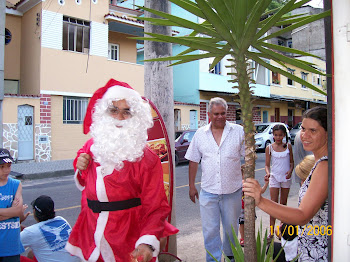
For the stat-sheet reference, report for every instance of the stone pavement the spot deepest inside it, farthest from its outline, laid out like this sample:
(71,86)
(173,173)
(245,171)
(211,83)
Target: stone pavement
(190,247)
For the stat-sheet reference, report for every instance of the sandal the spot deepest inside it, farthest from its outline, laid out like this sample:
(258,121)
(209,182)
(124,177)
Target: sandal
(241,242)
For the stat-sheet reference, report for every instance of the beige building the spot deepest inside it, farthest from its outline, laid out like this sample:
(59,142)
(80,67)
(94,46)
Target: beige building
(291,99)
(57,54)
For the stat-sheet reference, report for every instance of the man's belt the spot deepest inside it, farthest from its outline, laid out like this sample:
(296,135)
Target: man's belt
(97,206)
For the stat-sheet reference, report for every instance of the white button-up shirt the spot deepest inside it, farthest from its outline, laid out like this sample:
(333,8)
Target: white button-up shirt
(221,165)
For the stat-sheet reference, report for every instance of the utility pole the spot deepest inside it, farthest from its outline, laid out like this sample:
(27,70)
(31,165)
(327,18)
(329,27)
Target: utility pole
(2,61)
(159,84)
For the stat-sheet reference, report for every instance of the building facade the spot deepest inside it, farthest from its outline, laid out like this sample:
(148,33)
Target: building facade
(57,54)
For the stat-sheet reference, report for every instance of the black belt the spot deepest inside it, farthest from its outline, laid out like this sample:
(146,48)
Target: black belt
(97,206)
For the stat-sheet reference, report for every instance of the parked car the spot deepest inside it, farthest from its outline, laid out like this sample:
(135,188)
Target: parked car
(263,136)
(293,132)
(182,142)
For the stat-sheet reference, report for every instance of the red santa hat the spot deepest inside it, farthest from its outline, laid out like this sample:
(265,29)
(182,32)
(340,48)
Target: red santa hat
(112,90)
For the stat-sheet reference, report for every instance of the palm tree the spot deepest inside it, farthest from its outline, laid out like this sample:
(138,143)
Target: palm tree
(240,29)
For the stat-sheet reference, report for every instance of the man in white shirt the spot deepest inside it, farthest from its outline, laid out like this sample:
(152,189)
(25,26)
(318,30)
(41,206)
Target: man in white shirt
(49,236)
(219,146)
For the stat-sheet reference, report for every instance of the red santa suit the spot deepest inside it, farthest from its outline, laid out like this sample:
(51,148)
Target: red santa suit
(113,235)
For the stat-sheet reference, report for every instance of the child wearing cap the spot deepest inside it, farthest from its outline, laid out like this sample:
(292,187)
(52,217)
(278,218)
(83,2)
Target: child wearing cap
(49,236)
(11,208)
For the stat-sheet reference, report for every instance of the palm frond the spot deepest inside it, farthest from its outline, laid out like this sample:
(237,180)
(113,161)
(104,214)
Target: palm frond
(256,58)
(307,20)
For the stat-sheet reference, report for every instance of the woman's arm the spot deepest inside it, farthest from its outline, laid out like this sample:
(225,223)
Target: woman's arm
(312,201)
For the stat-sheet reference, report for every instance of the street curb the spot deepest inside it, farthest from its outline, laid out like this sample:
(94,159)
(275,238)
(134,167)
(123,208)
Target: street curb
(47,174)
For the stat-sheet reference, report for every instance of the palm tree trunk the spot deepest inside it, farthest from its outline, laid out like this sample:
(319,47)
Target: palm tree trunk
(245,101)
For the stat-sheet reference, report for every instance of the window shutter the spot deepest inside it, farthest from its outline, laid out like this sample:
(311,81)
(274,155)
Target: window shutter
(51,31)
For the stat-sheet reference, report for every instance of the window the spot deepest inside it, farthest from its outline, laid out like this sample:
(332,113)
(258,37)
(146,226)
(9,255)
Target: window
(61,2)
(317,80)
(11,86)
(280,42)
(253,70)
(113,52)
(74,109)
(76,35)
(188,136)
(304,77)
(78,2)
(290,82)
(216,70)
(8,36)
(290,43)
(276,78)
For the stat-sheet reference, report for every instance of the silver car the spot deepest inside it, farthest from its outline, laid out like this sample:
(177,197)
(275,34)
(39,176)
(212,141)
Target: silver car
(293,132)
(263,136)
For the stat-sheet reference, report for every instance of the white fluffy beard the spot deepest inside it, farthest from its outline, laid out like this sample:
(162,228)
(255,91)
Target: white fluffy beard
(113,145)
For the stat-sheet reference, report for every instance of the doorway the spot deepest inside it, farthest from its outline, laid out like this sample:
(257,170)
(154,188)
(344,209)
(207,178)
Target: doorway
(193,120)
(25,132)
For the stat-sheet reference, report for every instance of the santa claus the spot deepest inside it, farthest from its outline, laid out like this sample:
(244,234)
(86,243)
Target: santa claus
(124,207)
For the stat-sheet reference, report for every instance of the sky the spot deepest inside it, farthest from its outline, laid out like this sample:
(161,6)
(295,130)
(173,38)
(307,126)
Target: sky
(316,3)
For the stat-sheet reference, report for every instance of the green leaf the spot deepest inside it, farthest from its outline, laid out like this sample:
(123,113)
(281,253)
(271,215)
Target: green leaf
(273,20)
(216,22)
(212,256)
(187,51)
(223,10)
(182,41)
(189,6)
(299,4)
(187,58)
(294,62)
(253,22)
(183,22)
(287,49)
(305,21)
(289,21)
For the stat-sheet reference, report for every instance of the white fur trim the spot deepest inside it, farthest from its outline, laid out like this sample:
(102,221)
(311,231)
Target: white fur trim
(100,185)
(120,92)
(149,240)
(75,251)
(76,180)
(106,251)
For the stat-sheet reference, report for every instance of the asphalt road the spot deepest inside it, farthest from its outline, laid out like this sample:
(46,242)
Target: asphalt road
(67,197)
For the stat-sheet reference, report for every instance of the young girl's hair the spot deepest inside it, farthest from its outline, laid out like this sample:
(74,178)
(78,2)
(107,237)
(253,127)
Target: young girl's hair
(284,130)
(303,169)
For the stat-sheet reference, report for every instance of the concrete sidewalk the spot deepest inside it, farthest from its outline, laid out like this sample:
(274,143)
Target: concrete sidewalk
(38,170)
(190,248)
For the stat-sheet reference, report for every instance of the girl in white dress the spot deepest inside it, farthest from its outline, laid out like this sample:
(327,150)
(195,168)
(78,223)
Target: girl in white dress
(279,166)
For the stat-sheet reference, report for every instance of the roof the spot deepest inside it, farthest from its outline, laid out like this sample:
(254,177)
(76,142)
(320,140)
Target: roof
(185,104)
(128,20)
(19,95)
(10,5)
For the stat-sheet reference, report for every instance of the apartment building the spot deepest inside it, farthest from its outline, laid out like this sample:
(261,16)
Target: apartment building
(57,53)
